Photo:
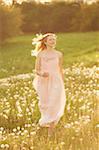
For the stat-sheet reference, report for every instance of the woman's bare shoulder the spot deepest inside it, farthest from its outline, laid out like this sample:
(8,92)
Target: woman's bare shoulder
(60,54)
(40,53)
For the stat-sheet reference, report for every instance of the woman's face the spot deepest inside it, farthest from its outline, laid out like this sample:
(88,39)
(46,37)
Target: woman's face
(51,41)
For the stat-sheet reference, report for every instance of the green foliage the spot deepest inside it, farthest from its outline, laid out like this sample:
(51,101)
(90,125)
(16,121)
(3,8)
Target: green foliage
(59,17)
(77,129)
(15,55)
(10,22)
(32,17)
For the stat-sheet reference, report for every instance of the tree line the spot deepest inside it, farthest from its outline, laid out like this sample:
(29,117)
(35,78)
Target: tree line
(32,17)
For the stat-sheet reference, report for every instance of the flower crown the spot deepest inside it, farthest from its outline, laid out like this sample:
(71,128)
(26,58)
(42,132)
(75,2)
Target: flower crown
(39,37)
(37,40)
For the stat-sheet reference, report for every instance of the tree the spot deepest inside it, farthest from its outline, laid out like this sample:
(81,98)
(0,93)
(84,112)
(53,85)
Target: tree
(10,22)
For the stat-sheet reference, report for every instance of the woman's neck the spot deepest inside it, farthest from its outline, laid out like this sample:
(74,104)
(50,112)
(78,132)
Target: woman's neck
(49,49)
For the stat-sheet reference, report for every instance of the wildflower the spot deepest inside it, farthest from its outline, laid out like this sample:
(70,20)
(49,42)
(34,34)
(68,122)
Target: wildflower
(33,133)
(2,146)
(18,128)
(97,126)
(14,130)
(31,147)
(62,143)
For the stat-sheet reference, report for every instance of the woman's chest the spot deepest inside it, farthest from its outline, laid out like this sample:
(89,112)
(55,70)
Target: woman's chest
(47,61)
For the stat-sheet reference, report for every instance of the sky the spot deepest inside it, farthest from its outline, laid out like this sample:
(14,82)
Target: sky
(10,1)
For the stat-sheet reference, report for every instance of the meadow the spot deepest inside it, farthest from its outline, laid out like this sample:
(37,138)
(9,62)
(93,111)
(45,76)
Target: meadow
(19,113)
(15,55)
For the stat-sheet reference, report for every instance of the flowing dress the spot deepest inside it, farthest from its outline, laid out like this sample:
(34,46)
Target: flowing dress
(51,91)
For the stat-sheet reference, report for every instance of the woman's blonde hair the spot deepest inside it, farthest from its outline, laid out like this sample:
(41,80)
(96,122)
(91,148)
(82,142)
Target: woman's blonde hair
(40,40)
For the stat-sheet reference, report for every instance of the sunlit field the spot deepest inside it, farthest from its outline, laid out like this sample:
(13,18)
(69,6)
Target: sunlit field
(15,55)
(19,114)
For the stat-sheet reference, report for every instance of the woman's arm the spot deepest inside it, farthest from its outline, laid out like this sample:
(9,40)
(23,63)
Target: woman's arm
(61,65)
(38,66)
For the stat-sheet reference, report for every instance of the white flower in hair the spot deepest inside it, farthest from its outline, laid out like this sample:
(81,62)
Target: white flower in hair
(37,39)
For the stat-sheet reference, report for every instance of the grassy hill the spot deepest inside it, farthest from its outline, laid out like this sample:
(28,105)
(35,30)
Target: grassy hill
(15,55)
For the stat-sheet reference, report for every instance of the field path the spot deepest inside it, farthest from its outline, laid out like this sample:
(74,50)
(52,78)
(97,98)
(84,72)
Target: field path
(5,81)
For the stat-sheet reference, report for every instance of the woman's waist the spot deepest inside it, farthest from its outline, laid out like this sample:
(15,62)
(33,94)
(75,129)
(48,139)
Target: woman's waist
(50,70)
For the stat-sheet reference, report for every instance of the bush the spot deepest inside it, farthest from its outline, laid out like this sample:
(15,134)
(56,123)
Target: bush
(10,22)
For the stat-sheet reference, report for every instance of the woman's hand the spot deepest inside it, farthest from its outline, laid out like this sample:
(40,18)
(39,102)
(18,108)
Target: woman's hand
(45,74)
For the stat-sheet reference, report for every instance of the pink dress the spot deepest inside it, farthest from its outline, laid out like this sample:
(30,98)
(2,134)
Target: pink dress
(51,91)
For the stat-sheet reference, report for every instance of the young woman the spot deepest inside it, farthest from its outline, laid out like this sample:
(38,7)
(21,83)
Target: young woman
(49,81)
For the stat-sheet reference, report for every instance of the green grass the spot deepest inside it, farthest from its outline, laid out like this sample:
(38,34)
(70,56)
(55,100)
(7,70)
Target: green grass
(19,112)
(15,55)
(76,130)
